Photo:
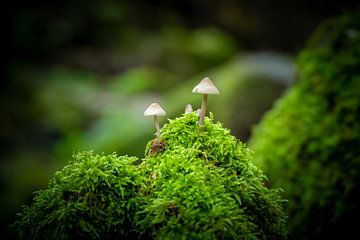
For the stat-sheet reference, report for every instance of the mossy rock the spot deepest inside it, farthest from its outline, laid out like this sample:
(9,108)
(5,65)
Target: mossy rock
(309,144)
(198,183)
(203,186)
(93,197)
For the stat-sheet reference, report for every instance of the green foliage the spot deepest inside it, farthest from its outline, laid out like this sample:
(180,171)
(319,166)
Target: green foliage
(91,198)
(203,186)
(200,184)
(309,143)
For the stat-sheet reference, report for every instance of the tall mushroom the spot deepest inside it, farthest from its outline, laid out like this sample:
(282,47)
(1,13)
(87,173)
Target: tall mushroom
(205,87)
(155,110)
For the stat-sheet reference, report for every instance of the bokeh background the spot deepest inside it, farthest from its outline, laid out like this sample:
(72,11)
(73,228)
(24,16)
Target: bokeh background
(77,75)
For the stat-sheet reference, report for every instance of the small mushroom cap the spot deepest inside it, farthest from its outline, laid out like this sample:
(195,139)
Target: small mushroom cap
(154,109)
(188,109)
(206,86)
(197,112)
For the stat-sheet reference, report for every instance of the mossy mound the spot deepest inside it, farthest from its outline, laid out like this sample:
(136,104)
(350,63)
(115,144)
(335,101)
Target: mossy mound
(197,183)
(93,197)
(309,144)
(203,186)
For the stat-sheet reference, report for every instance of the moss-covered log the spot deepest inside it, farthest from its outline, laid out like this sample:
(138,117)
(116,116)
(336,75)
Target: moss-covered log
(309,144)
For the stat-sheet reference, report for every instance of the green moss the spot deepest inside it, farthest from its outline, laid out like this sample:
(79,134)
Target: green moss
(209,179)
(309,143)
(91,198)
(200,184)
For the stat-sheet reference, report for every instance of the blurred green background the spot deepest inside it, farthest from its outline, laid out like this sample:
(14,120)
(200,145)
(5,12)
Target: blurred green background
(77,75)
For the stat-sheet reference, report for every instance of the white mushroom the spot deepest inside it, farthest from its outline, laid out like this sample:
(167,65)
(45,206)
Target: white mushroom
(205,87)
(188,109)
(197,112)
(155,110)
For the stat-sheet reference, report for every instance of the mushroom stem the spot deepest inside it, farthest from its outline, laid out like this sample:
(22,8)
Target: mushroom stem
(203,110)
(156,123)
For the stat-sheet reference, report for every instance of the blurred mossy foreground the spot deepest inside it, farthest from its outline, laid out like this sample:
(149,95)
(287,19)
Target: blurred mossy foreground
(199,184)
(309,144)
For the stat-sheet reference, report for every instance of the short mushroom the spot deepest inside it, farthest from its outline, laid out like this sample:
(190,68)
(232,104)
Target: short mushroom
(188,109)
(205,87)
(197,112)
(155,110)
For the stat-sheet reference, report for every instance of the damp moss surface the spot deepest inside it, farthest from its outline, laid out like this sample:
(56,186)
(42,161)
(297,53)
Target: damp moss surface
(197,183)
(93,197)
(309,143)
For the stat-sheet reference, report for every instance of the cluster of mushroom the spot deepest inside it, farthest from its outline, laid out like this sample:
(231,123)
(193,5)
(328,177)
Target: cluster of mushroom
(205,87)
